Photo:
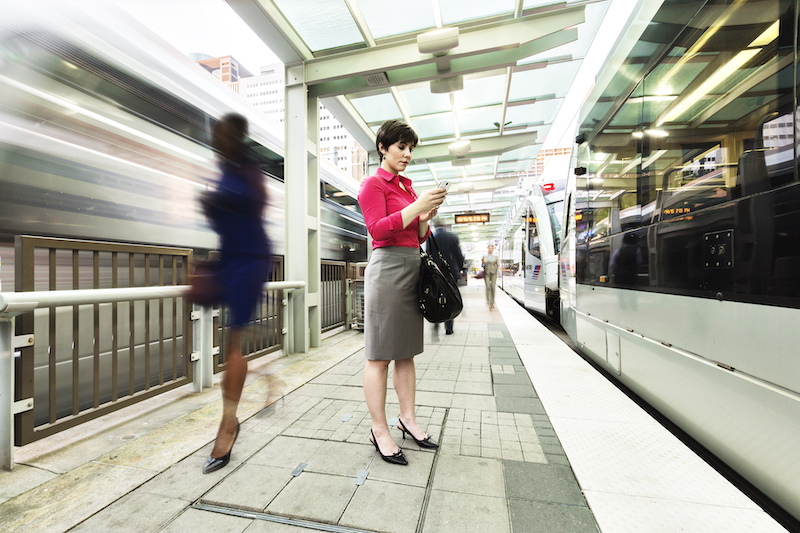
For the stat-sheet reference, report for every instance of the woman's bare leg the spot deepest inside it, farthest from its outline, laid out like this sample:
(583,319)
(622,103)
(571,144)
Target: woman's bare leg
(405,384)
(232,385)
(375,377)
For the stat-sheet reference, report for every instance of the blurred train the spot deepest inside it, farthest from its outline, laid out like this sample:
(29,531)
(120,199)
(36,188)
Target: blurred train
(678,241)
(105,135)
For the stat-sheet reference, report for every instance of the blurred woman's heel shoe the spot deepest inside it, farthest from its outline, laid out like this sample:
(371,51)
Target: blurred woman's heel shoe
(215,463)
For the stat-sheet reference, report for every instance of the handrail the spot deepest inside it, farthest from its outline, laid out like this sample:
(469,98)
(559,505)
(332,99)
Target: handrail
(20,302)
(15,303)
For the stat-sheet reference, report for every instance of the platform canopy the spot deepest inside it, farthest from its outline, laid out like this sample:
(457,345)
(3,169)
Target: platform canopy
(510,65)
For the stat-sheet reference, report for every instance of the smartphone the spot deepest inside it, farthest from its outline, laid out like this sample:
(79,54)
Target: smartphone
(446,184)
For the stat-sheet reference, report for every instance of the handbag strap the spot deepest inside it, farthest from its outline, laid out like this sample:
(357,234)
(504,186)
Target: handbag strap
(432,240)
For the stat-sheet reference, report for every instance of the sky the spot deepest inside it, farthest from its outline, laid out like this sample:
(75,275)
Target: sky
(202,26)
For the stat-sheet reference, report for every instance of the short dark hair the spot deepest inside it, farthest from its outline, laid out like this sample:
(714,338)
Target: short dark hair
(393,131)
(239,124)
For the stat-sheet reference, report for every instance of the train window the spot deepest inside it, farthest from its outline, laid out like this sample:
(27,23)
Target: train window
(333,194)
(555,210)
(701,140)
(533,235)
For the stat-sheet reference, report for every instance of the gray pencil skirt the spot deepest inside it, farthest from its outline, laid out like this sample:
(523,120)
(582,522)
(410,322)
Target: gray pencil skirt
(392,318)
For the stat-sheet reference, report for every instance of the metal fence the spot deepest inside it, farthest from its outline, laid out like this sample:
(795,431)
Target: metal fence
(88,360)
(264,333)
(334,294)
(115,329)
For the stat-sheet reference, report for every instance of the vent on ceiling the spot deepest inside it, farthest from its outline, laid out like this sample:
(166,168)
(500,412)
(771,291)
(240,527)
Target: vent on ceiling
(379,78)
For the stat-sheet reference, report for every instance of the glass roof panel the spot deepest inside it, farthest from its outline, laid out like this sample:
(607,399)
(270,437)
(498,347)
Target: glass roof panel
(381,25)
(483,119)
(454,11)
(458,199)
(586,33)
(539,112)
(322,24)
(421,101)
(526,152)
(553,79)
(377,108)
(481,91)
(450,172)
(538,3)
(480,197)
(481,168)
(439,125)
(511,166)
(422,174)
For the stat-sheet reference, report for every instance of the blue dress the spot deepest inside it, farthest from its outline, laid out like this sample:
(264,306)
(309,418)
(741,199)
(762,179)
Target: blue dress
(235,211)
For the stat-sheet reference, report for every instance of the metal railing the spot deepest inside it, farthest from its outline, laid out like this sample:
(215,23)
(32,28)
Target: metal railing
(333,287)
(16,402)
(110,327)
(92,357)
(263,334)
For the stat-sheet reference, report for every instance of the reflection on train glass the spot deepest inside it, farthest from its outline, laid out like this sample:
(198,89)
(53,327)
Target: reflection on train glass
(683,234)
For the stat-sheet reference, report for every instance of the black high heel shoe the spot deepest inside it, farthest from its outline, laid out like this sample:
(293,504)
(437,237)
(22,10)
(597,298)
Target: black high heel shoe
(396,459)
(215,463)
(427,442)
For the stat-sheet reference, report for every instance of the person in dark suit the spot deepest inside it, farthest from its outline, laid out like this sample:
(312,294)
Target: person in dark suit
(450,247)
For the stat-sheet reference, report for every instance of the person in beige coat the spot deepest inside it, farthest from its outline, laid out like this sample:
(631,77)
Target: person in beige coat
(490,263)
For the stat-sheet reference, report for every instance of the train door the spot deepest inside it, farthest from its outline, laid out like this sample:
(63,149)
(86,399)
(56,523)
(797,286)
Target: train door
(567,260)
(533,278)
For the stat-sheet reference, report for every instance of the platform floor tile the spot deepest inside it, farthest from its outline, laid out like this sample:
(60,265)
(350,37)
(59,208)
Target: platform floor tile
(465,513)
(539,517)
(136,512)
(251,487)
(543,483)
(384,507)
(314,497)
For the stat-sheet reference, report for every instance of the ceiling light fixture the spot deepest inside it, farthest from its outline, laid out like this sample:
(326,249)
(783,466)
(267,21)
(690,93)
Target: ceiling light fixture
(438,42)
(460,148)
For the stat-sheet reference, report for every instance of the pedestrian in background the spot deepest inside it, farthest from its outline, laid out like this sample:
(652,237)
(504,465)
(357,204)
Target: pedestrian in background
(490,263)
(235,210)
(450,248)
(397,220)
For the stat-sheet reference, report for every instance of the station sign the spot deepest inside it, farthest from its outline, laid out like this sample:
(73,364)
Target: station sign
(472,218)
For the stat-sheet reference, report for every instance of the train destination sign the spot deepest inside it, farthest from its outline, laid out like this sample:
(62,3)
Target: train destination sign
(472,218)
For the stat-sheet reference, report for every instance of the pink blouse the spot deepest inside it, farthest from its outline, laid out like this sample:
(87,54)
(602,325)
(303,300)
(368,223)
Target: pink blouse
(381,199)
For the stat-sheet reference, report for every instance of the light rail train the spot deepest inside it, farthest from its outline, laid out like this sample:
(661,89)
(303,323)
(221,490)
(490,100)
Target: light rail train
(678,265)
(105,135)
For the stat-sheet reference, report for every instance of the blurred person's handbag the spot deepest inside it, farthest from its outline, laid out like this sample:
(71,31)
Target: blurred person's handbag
(481,274)
(205,287)
(439,297)
(205,282)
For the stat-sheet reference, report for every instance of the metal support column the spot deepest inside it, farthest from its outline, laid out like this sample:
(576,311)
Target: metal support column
(301,176)
(203,348)
(6,393)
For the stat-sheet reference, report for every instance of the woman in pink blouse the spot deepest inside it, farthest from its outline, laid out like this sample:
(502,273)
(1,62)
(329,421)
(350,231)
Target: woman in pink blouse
(397,220)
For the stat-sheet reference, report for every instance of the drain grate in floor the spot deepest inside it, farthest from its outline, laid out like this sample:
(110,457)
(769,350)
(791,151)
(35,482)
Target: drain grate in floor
(319,526)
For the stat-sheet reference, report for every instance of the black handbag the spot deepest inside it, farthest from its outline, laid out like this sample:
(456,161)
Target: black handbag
(439,297)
